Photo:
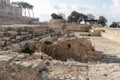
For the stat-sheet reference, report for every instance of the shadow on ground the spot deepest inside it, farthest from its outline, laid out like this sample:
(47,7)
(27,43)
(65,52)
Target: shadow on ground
(106,58)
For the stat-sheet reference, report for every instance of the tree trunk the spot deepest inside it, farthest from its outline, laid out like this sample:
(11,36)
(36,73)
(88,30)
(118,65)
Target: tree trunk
(33,13)
(25,12)
(29,12)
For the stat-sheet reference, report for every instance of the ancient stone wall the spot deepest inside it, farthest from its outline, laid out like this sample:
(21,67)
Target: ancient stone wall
(16,36)
(56,23)
(77,49)
(9,19)
(7,9)
(77,27)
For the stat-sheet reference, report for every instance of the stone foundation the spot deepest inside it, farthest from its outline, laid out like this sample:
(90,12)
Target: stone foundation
(18,36)
(76,49)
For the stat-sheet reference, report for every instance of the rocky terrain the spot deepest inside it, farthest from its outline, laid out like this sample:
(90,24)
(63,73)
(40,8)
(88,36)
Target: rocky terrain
(40,66)
(106,69)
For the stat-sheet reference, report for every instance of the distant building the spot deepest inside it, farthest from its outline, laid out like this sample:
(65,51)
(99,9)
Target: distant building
(13,15)
(6,9)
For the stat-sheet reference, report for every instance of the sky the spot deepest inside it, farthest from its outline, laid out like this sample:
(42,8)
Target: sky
(44,8)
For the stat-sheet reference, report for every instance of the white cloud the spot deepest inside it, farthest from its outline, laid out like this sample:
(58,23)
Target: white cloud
(114,12)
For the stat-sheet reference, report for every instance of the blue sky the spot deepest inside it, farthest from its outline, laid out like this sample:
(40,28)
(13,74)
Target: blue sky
(108,8)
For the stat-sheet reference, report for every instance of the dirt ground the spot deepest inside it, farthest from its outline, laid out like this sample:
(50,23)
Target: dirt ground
(106,69)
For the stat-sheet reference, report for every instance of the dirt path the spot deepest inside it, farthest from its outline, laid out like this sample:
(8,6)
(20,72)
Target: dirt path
(109,69)
(106,46)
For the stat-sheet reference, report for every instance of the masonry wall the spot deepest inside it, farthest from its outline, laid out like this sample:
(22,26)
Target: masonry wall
(4,2)
(77,27)
(7,9)
(14,34)
(10,14)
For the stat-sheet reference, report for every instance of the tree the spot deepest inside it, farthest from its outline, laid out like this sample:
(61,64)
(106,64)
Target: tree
(31,7)
(70,19)
(56,16)
(114,25)
(76,17)
(91,17)
(28,8)
(24,5)
(102,20)
(21,5)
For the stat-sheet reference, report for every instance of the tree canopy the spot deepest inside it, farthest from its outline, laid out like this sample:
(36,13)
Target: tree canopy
(56,16)
(90,17)
(76,17)
(24,5)
(115,25)
(102,20)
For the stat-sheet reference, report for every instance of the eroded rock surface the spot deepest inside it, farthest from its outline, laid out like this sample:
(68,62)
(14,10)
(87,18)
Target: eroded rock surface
(15,66)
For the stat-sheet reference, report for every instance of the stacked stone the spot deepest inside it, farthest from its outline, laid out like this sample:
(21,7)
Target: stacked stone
(16,35)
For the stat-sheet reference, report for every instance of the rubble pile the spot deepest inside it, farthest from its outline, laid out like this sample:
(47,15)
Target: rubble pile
(77,49)
(14,66)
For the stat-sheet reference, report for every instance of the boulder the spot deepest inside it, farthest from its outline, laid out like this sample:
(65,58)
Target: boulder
(18,37)
(2,43)
(23,44)
(24,70)
(12,33)
(16,47)
(6,57)
(32,69)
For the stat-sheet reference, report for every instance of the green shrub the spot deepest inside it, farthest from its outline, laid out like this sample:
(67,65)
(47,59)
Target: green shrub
(48,42)
(27,51)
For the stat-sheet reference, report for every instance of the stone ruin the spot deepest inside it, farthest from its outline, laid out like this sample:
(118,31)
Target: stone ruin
(15,65)
(76,49)
(16,36)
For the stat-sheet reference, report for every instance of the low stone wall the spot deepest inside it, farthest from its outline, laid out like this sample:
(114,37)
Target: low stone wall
(77,27)
(12,35)
(112,34)
(56,23)
(10,19)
